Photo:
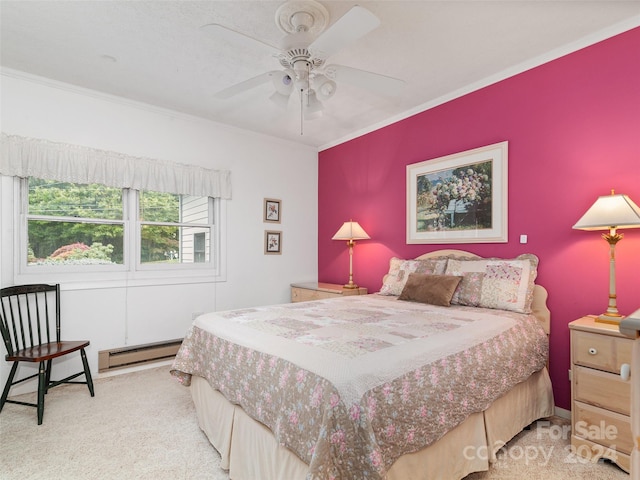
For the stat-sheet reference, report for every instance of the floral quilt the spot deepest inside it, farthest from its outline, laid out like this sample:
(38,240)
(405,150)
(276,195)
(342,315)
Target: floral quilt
(351,384)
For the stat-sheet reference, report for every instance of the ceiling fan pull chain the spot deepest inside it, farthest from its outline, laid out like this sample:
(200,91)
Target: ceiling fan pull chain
(308,83)
(301,112)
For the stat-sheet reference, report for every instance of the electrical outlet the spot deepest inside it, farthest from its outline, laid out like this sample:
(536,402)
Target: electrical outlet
(569,371)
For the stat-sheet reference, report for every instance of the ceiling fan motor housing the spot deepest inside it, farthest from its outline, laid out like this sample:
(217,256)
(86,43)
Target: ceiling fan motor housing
(297,59)
(295,48)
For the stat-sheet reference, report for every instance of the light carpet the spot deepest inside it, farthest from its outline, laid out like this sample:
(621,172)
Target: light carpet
(143,425)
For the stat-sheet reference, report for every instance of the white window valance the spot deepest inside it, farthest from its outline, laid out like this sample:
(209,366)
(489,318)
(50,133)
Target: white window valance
(32,157)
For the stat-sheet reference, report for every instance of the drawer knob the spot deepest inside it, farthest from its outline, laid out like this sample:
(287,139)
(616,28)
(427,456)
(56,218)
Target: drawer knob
(625,371)
(592,351)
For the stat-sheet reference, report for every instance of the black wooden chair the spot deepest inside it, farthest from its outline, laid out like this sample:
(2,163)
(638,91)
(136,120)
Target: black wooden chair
(26,314)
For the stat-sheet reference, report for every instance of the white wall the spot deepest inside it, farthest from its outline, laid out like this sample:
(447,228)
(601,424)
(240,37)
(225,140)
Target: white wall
(260,167)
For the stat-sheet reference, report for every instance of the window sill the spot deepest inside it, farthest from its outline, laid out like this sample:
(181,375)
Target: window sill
(93,281)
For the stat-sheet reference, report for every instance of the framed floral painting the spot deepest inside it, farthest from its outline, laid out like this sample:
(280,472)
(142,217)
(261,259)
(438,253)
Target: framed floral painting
(272,243)
(459,198)
(272,208)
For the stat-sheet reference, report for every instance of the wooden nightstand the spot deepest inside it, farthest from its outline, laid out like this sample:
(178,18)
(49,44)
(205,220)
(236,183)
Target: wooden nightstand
(600,399)
(302,292)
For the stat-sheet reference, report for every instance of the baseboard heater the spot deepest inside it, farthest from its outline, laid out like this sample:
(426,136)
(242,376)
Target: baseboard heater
(137,354)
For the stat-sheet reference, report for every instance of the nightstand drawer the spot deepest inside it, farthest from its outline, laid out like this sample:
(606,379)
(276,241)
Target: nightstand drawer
(603,427)
(603,389)
(603,352)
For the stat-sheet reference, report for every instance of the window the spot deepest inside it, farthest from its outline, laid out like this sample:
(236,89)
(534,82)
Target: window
(77,227)
(74,224)
(169,225)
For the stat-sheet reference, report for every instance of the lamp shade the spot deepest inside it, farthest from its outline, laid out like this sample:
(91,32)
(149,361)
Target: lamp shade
(610,211)
(351,231)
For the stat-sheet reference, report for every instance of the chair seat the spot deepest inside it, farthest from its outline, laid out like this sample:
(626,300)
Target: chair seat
(46,351)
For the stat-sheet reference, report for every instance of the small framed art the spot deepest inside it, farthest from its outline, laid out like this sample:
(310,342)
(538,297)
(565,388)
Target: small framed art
(272,210)
(272,243)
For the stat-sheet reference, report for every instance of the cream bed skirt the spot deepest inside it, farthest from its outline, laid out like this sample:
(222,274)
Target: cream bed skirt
(249,451)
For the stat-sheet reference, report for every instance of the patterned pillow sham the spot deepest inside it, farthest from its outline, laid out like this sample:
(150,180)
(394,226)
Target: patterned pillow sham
(400,269)
(469,290)
(504,284)
(431,289)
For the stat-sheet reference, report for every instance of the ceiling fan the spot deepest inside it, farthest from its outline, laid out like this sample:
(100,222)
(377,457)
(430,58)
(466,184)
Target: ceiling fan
(303,52)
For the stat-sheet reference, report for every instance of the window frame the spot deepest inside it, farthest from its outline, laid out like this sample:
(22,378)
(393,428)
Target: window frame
(131,271)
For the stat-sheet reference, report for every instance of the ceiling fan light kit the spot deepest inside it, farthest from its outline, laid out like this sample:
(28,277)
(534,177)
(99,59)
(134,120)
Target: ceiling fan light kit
(283,81)
(325,87)
(303,51)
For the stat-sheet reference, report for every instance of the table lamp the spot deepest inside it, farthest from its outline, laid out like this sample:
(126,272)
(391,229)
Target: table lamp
(611,212)
(351,231)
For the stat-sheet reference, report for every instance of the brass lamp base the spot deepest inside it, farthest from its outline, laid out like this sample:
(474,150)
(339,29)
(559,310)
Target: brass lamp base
(350,286)
(611,319)
(611,316)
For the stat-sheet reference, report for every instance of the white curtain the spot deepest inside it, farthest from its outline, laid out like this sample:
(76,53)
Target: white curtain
(32,157)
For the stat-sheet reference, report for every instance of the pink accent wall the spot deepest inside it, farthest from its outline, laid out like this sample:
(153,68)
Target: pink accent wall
(573,127)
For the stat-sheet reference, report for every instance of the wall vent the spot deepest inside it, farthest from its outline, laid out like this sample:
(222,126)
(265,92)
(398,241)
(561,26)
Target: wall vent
(137,355)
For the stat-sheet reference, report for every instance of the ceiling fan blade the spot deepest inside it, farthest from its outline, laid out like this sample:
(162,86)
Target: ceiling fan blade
(222,33)
(354,24)
(375,82)
(234,90)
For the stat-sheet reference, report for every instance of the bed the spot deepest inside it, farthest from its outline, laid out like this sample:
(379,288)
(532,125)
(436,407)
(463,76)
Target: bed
(382,386)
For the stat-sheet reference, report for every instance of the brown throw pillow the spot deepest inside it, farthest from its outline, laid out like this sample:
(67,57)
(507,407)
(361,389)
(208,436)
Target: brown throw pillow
(431,289)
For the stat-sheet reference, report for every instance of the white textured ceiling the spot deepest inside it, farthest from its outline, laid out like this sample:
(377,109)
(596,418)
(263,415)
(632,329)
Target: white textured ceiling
(154,52)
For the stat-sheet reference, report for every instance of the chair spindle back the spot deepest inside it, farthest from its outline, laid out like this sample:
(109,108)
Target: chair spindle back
(25,315)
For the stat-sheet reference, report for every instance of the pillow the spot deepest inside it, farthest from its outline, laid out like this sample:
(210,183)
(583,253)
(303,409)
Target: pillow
(505,284)
(431,289)
(469,290)
(399,271)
